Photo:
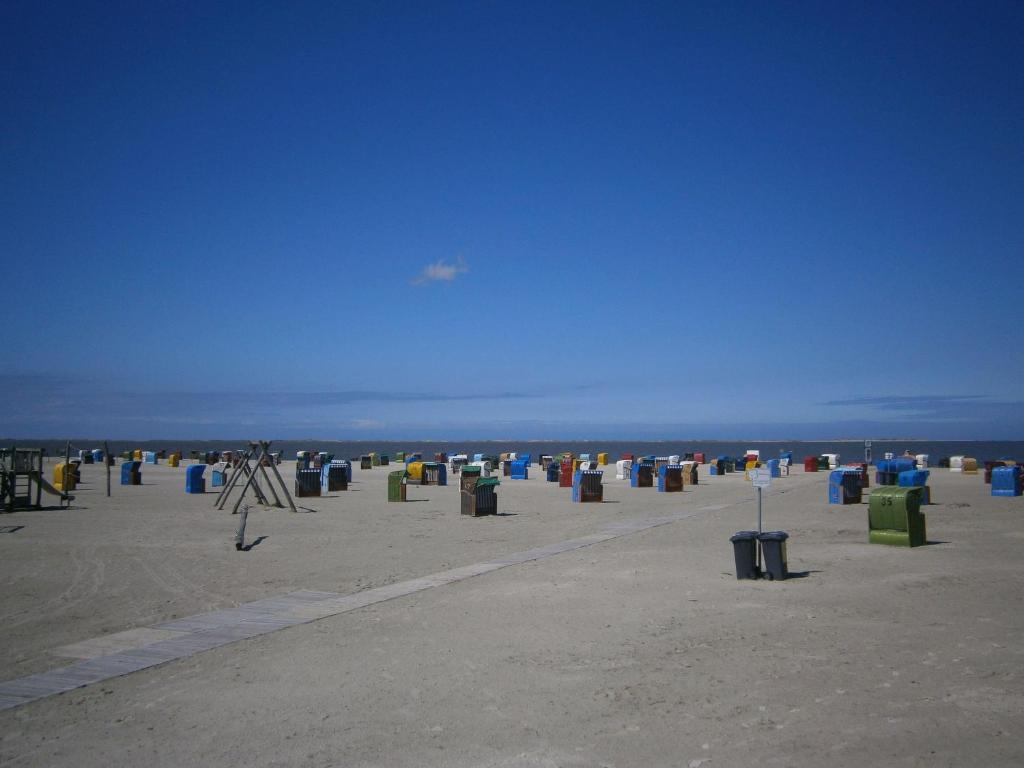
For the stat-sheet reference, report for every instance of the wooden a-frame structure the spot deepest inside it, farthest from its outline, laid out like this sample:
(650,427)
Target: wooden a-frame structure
(259,450)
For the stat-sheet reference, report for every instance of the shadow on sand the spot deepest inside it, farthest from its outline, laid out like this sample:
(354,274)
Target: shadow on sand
(254,543)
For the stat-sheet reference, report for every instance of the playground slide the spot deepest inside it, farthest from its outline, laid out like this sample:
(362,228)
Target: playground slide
(53,491)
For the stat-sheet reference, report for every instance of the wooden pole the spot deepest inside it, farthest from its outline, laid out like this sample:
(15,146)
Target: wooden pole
(260,495)
(226,490)
(249,471)
(261,453)
(39,485)
(64,478)
(106,461)
(273,468)
(241,496)
(240,533)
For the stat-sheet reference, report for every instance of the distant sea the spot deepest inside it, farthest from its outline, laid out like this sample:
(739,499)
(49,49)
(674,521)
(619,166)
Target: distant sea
(849,450)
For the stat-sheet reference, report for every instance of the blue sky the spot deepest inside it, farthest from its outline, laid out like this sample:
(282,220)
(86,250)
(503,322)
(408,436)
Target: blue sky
(368,220)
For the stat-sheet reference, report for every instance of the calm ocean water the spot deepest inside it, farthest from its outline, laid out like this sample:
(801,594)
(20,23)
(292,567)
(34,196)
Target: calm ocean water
(848,450)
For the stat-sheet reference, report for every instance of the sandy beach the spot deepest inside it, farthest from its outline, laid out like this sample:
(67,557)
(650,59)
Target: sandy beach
(640,648)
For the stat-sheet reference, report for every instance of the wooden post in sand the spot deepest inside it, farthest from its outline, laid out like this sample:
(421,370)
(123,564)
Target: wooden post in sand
(240,533)
(106,461)
(64,477)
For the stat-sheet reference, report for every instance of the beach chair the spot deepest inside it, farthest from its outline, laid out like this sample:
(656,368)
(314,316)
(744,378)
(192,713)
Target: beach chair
(642,475)
(64,477)
(479,497)
(218,474)
(307,482)
(862,468)
(1006,481)
(565,474)
(469,476)
(194,480)
(916,478)
(586,486)
(334,476)
(895,518)
(690,474)
(434,473)
(844,486)
(131,473)
(396,485)
(670,478)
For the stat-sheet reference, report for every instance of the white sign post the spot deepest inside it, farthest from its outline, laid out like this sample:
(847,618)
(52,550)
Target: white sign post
(761,478)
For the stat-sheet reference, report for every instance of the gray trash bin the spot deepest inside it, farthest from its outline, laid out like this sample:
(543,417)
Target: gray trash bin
(773,548)
(744,550)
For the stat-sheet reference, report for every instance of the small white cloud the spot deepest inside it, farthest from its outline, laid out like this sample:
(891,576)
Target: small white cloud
(441,270)
(367,424)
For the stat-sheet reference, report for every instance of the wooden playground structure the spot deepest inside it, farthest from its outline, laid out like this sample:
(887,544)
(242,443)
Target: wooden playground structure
(22,482)
(259,454)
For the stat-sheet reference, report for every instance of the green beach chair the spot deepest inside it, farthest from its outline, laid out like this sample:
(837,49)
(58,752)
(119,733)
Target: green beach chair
(895,518)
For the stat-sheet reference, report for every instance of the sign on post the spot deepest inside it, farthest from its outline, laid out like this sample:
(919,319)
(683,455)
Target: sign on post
(761,477)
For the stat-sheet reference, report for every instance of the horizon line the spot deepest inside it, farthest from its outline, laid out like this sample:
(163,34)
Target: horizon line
(14,441)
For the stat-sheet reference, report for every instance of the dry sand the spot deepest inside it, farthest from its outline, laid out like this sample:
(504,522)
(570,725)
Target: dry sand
(640,651)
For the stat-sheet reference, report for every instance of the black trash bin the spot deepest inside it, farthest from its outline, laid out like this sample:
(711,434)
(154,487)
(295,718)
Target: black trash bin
(773,548)
(744,550)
